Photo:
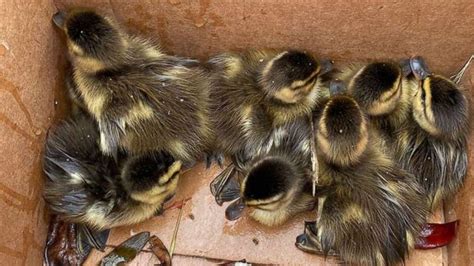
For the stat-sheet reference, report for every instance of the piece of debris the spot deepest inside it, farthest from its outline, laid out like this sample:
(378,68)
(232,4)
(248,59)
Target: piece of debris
(460,74)
(160,250)
(62,246)
(126,251)
(255,241)
(177,204)
(236,263)
(436,235)
(176,228)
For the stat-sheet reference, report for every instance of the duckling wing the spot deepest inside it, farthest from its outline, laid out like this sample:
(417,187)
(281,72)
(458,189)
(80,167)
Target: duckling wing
(111,132)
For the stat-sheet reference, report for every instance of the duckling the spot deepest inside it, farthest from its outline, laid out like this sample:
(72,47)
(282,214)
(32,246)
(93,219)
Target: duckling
(277,183)
(255,92)
(433,142)
(369,210)
(143,99)
(438,162)
(84,186)
(382,89)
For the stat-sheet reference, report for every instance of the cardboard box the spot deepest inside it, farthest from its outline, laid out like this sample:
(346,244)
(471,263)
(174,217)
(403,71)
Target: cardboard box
(32,59)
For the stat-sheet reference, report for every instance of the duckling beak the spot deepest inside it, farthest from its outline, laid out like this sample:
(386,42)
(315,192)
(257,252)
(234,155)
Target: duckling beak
(336,87)
(419,68)
(234,210)
(59,19)
(406,67)
(326,66)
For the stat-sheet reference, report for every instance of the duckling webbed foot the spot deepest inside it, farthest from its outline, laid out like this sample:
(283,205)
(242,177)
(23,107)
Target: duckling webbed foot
(309,243)
(90,237)
(230,191)
(219,183)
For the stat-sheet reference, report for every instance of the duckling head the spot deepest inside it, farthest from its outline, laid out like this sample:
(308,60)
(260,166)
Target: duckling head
(94,41)
(151,178)
(439,106)
(342,134)
(377,87)
(268,191)
(291,76)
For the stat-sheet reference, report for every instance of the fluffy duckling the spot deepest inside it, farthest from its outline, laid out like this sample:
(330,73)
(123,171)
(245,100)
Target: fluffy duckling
(429,136)
(85,186)
(277,183)
(433,143)
(369,211)
(382,89)
(256,92)
(142,99)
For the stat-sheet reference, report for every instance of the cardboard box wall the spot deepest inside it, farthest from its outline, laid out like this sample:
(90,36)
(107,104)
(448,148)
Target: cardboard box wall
(32,98)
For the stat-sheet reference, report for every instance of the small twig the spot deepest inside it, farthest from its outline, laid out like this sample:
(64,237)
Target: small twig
(314,159)
(175,233)
(459,75)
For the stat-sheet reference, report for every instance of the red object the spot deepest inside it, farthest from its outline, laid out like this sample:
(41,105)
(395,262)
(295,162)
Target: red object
(177,204)
(436,235)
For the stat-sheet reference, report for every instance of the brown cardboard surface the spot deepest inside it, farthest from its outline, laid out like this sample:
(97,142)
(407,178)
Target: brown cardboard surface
(342,30)
(29,78)
(32,56)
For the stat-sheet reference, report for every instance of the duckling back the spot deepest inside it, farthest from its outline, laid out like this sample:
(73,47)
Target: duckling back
(142,99)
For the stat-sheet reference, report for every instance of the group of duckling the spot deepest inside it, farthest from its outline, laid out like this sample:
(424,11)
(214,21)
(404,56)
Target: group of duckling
(372,147)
